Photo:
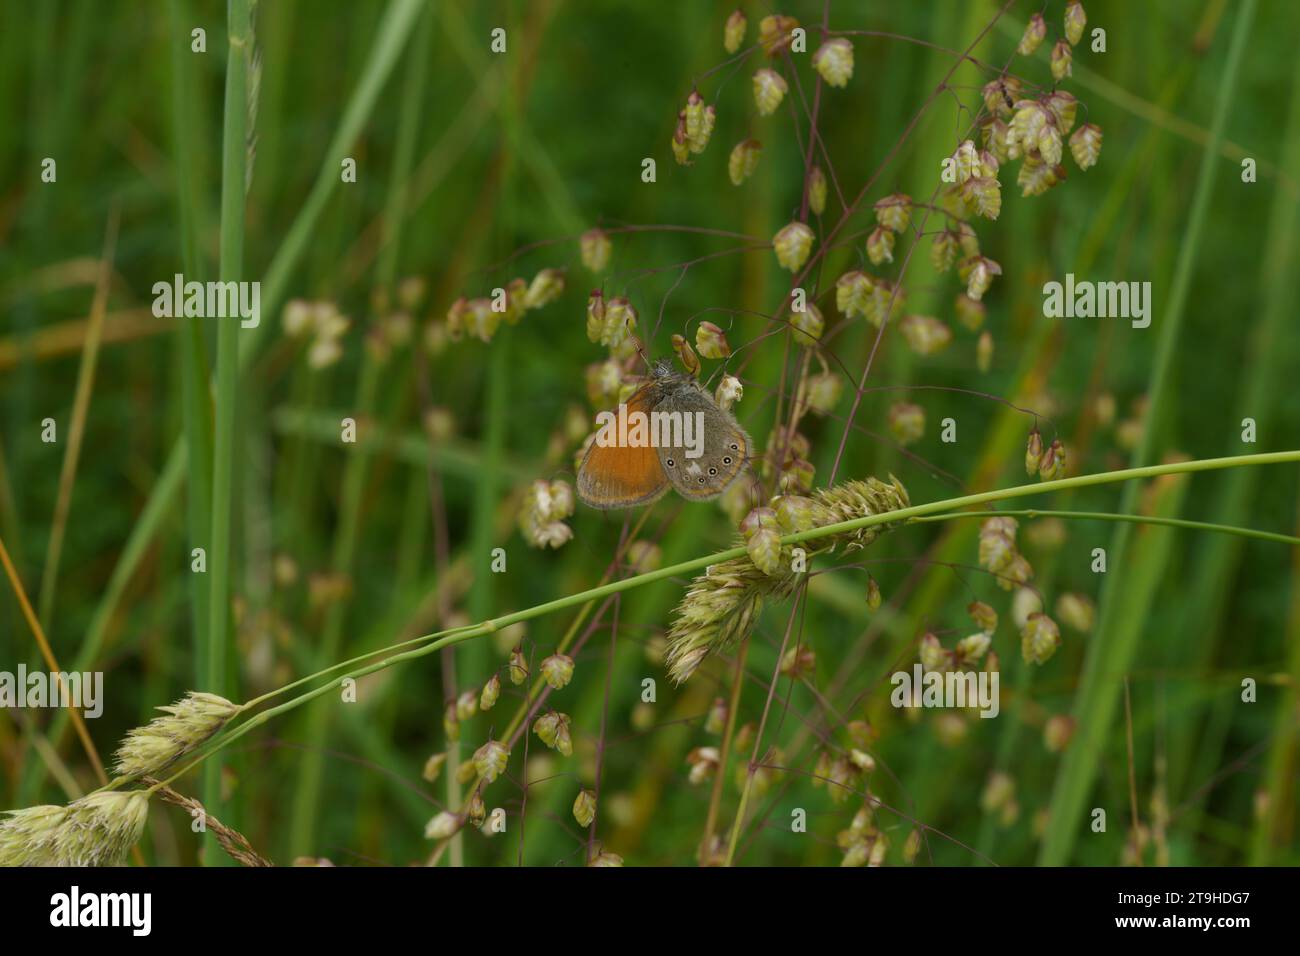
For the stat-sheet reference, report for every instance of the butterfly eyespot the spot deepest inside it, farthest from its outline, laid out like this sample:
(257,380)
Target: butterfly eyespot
(701,479)
(735,447)
(713,471)
(669,463)
(726,460)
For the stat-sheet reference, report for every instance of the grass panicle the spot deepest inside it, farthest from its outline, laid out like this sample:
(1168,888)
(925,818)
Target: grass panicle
(185,726)
(97,830)
(723,604)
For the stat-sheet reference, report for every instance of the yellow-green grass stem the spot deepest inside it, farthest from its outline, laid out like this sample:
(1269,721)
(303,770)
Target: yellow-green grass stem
(427,644)
(1032,513)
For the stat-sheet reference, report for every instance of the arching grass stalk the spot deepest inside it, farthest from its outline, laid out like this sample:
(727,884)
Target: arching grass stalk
(416,641)
(428,644)
(1032,513)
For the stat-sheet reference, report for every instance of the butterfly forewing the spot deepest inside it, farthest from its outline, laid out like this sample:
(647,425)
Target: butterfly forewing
(617,476)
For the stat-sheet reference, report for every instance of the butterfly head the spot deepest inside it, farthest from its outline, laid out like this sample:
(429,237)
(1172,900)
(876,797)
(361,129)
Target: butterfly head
(662,369)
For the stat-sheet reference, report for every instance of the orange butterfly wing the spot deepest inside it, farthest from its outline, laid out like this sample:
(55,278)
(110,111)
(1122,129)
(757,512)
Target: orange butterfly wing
(614,476)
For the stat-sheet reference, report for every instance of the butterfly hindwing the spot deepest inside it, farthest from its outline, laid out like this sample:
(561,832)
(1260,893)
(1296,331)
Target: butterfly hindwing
(723,450)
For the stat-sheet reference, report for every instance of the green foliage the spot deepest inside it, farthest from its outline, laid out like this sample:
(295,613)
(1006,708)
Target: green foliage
(476,168)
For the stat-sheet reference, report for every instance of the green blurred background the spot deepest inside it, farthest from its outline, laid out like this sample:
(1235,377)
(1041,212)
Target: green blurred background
(468,156)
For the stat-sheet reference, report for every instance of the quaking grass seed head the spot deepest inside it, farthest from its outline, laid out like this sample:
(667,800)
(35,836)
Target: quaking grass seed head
(1035,31)
(808,324)
(817,190)
(546,505)
(554,730)
(792,244)
(1062,58)
(834,61)
(442,826)
(776,32)
(605,859)
(595,248)
(1085,145)
(1039,638)
(1075,20)
(769,90)
(743,160)
(728,392)
(734,31)
(546,287)
(969,312)
(711,341)
(490,760)
(584,808)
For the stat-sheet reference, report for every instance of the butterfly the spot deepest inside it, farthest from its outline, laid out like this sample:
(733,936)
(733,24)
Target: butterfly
(689,444)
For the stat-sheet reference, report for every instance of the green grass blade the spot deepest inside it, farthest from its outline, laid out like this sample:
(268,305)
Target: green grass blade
(234,154)
(1098,696)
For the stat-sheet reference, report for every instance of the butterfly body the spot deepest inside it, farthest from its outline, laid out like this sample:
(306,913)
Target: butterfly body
(691,445)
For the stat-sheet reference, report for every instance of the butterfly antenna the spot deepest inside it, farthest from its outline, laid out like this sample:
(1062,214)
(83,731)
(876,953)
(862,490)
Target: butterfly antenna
(649,366)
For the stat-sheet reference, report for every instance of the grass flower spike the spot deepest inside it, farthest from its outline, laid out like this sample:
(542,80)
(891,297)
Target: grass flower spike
(186,725)
(97,830)
(723,604)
